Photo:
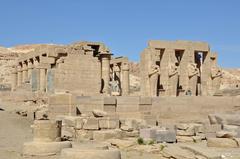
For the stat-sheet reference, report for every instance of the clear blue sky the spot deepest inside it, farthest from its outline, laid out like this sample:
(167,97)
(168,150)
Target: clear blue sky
(124,25)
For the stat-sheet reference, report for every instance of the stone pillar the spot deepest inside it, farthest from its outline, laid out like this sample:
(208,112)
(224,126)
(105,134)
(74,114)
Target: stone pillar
(125,79)
(19,75)
(30,68)
(24,72)
(105,59)
(42,79)
(36,70)
(14,79)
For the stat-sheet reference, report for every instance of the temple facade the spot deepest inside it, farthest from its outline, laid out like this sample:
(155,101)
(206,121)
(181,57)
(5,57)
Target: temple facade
(81,68)
(179,68)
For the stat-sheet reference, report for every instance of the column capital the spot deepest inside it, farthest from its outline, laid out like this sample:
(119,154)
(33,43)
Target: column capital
(105,55)
(125,67)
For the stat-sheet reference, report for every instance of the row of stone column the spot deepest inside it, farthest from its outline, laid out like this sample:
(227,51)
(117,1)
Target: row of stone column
(23,73)
(105,58)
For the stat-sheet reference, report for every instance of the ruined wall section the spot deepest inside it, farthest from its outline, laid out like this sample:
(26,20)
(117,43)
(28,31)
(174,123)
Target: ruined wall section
(80,74)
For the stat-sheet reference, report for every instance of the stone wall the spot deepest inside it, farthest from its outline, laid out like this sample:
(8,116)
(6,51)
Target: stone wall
(80,74)
(157,108)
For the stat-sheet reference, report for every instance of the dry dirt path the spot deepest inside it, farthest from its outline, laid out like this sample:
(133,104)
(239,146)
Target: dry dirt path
(14,131)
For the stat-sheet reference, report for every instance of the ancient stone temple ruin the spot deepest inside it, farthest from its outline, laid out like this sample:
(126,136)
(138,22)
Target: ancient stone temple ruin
(179,68)
(79,100)
(81,68)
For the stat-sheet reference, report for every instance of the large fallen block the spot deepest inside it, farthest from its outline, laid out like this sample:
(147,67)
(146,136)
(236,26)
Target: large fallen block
(228,119)
(158,135)
(168,136)
(222,143)
(148,133)
(107,134)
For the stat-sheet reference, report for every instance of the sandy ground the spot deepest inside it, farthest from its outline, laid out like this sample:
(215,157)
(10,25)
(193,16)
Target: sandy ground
(14,131)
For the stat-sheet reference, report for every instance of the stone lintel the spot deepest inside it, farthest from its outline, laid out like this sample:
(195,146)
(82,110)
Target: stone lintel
(179,45)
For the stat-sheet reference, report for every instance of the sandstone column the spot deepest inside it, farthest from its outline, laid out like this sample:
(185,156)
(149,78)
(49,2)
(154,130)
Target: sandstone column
(24,72)
(30,68)
(14,79)
(125,79)
(105,58)
(36,70)
(42,79)
(19,75)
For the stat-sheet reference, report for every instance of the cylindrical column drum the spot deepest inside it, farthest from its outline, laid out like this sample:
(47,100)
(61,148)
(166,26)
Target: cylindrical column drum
(46,130)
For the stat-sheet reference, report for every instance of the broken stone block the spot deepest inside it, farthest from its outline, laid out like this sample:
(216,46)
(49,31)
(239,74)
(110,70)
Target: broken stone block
(91,124)
(188,132)
(109,123)
(80,122)
(182,126)
(232,128)
(222,143)
(99,113)
(199,128)
(168,136)
(226,134)
(212,128)
(149,133)
(228,119)
(184,139)
(106,134)
(197,139)
(174,151)
(82,135)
